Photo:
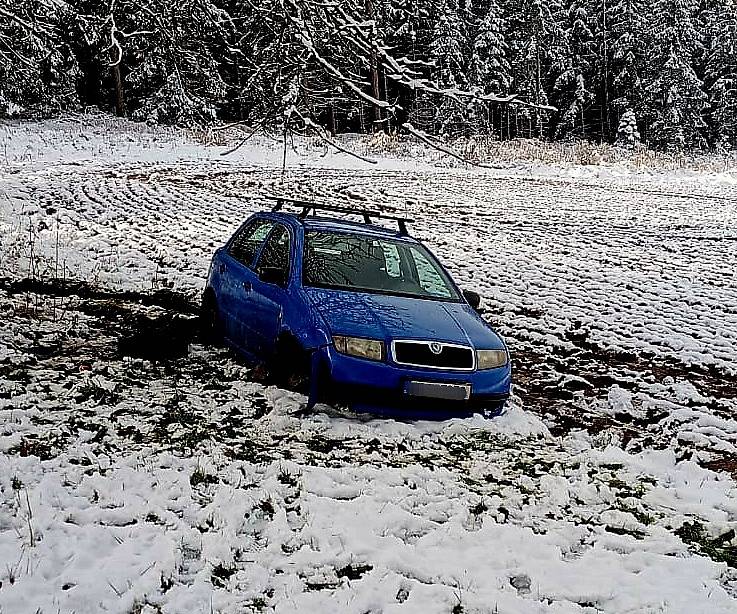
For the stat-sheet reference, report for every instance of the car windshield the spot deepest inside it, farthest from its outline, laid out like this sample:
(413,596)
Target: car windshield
(370,264)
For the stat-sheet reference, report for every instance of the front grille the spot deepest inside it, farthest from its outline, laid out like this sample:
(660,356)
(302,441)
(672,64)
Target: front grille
(420,354)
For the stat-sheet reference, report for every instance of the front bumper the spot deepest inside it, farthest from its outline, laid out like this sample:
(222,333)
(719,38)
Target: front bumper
(379,387)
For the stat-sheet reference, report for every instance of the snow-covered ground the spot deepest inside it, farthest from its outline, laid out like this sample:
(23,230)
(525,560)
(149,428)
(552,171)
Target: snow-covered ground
(142,472)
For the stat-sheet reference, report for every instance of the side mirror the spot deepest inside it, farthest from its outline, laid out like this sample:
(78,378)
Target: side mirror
(273,275)
(472,298)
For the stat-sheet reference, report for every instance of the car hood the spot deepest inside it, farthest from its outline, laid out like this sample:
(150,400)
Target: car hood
(375,316)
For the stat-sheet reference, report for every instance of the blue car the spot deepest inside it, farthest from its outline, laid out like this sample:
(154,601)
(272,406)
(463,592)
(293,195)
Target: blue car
(356,314)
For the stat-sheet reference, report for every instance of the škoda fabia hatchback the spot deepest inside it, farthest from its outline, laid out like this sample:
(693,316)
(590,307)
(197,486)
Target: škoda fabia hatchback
(354,313)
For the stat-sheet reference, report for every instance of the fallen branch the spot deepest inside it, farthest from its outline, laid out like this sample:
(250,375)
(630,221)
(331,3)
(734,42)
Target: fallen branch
(320,131)
(247,137)
(315,128)
(428,140)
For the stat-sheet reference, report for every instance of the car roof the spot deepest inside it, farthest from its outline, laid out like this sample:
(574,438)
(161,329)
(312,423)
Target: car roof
(334,224)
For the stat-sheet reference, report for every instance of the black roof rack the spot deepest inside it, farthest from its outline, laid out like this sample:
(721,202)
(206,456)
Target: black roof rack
(308,206)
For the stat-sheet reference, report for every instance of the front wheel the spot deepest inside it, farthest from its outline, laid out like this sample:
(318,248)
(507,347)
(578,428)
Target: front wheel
(290,366)
(493,410)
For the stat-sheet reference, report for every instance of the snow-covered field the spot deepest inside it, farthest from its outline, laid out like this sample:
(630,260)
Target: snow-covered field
(142,472)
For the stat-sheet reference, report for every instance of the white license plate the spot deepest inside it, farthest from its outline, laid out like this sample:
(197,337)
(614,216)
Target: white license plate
(436,390)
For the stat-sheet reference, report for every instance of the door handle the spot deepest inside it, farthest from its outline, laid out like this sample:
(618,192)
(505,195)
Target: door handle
(247,286)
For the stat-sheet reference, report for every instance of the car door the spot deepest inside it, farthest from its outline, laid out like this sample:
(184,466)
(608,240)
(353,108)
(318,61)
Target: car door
(270,293)
(237,301)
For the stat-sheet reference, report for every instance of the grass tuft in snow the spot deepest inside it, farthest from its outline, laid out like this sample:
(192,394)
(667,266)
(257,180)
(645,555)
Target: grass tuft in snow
(266,507)
(221,573)
(721,549)
(354,571)
(201,476)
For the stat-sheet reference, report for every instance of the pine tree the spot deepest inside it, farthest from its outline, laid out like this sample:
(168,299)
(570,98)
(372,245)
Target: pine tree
(626,21)
(627,134)
(721,72)
(176,66)
(573,66)
(446,49)
(489,69)
(447,55)
(37,68)
(534,39)
(674,101)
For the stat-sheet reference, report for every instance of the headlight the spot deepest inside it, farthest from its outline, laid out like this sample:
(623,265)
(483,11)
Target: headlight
(491,359)
(363,348)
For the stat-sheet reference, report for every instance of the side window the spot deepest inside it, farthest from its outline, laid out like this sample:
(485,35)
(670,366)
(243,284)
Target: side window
(391,256)
(247,242)
(275,254)
(428,276)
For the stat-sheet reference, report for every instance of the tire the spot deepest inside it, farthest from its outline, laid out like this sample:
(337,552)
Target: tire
(290,366)
(494,410)
(211,325)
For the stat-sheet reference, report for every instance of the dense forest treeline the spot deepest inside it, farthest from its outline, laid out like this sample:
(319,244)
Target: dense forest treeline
(664,71)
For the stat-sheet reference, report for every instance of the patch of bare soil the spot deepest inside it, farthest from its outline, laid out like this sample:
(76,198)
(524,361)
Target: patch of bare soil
(166,299)
(563,387)
(724,462)
(162,333)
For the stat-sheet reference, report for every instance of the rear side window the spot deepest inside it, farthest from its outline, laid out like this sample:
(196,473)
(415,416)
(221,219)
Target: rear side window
(275,254)
(247,242)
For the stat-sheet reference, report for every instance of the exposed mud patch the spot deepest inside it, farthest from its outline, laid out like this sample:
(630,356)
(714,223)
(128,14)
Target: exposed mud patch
(549,375)
(568,389)
(156,326)
(166,299)
(725,462)
(161,338)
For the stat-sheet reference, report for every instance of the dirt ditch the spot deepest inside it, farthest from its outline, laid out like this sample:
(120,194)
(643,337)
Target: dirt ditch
(166,299)
(154,326)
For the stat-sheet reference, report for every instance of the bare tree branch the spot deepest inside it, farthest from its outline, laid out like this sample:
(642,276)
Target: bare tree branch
(435,144)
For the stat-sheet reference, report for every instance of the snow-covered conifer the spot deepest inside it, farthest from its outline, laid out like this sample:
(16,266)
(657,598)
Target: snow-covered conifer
(721,72)
(627,134)
(674,102)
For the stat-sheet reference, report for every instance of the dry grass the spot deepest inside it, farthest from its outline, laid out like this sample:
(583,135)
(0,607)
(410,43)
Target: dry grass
(110,131)
(487,150)
(588,153)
